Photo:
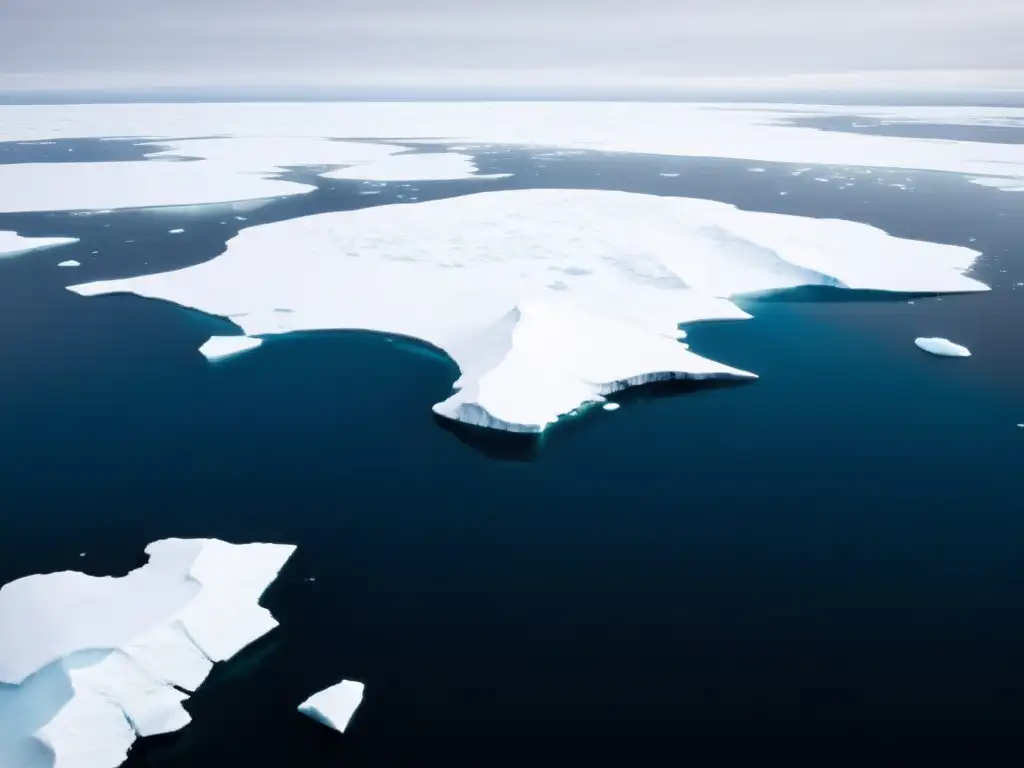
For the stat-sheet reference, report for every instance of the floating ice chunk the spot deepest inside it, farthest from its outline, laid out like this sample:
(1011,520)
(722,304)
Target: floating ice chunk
(217,347)
(669,175)
(335,706)
(69,263)
(473,276)
(611,406)
(13,244)
(943,347)
(756,170)
(88,664)
(443,166)
(175,231)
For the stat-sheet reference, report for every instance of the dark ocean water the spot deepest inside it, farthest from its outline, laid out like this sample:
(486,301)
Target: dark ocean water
(825,563)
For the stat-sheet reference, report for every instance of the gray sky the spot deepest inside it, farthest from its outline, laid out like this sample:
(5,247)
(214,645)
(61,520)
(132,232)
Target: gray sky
(141,43)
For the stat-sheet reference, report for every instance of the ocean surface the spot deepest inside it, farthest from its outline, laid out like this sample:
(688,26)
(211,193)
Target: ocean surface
(826,563)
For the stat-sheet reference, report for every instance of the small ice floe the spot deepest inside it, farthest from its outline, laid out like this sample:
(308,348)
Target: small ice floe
(335,706)
(756,170)
(70,263)
(175,231)
(943,347)
(217,347)
(611,406)
(669,175)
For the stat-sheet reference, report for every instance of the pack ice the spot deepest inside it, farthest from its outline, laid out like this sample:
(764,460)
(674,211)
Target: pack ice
(547,300)
(88,664)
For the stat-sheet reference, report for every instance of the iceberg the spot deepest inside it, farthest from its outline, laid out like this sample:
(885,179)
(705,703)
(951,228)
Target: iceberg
(217,347)
(13,244)
(89,664)
(611,406)
(69,263)
(942,347)
(441,166)
(335,706)
(546,299)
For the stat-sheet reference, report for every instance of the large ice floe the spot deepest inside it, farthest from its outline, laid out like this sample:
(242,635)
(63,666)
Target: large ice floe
(216,170)
(13,244)
(89,664)
(545,299)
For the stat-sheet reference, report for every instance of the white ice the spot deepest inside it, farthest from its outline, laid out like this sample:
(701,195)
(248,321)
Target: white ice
(942,347)
(441,166)
(88,664)
(217,347)
(611,406)
(545,299)
(1004,184)
(229,169)
(335,706)
(13,244)
(69,263)
(261,139)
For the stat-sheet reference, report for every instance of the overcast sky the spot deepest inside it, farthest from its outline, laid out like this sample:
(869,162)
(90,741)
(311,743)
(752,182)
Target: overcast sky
(143,43)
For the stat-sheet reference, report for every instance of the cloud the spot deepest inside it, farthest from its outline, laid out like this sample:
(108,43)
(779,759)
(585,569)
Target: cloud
(138,43)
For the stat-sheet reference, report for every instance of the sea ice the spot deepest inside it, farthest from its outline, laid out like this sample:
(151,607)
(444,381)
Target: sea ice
(223,170)
(88,664)
(943,347)
(70,263)
(545,299)
(259,140)
(335,706)
(13,244)
(442,166)
(217,347)
(611,406)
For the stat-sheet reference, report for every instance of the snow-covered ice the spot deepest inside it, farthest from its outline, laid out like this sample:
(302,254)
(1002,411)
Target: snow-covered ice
(88,664)
(943,347)
(175,231)
(217,347)
(229,169)
(441,166)
(258,140)
(545,299)
(335,706)
(13,244)
(69,263)
(611,406)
